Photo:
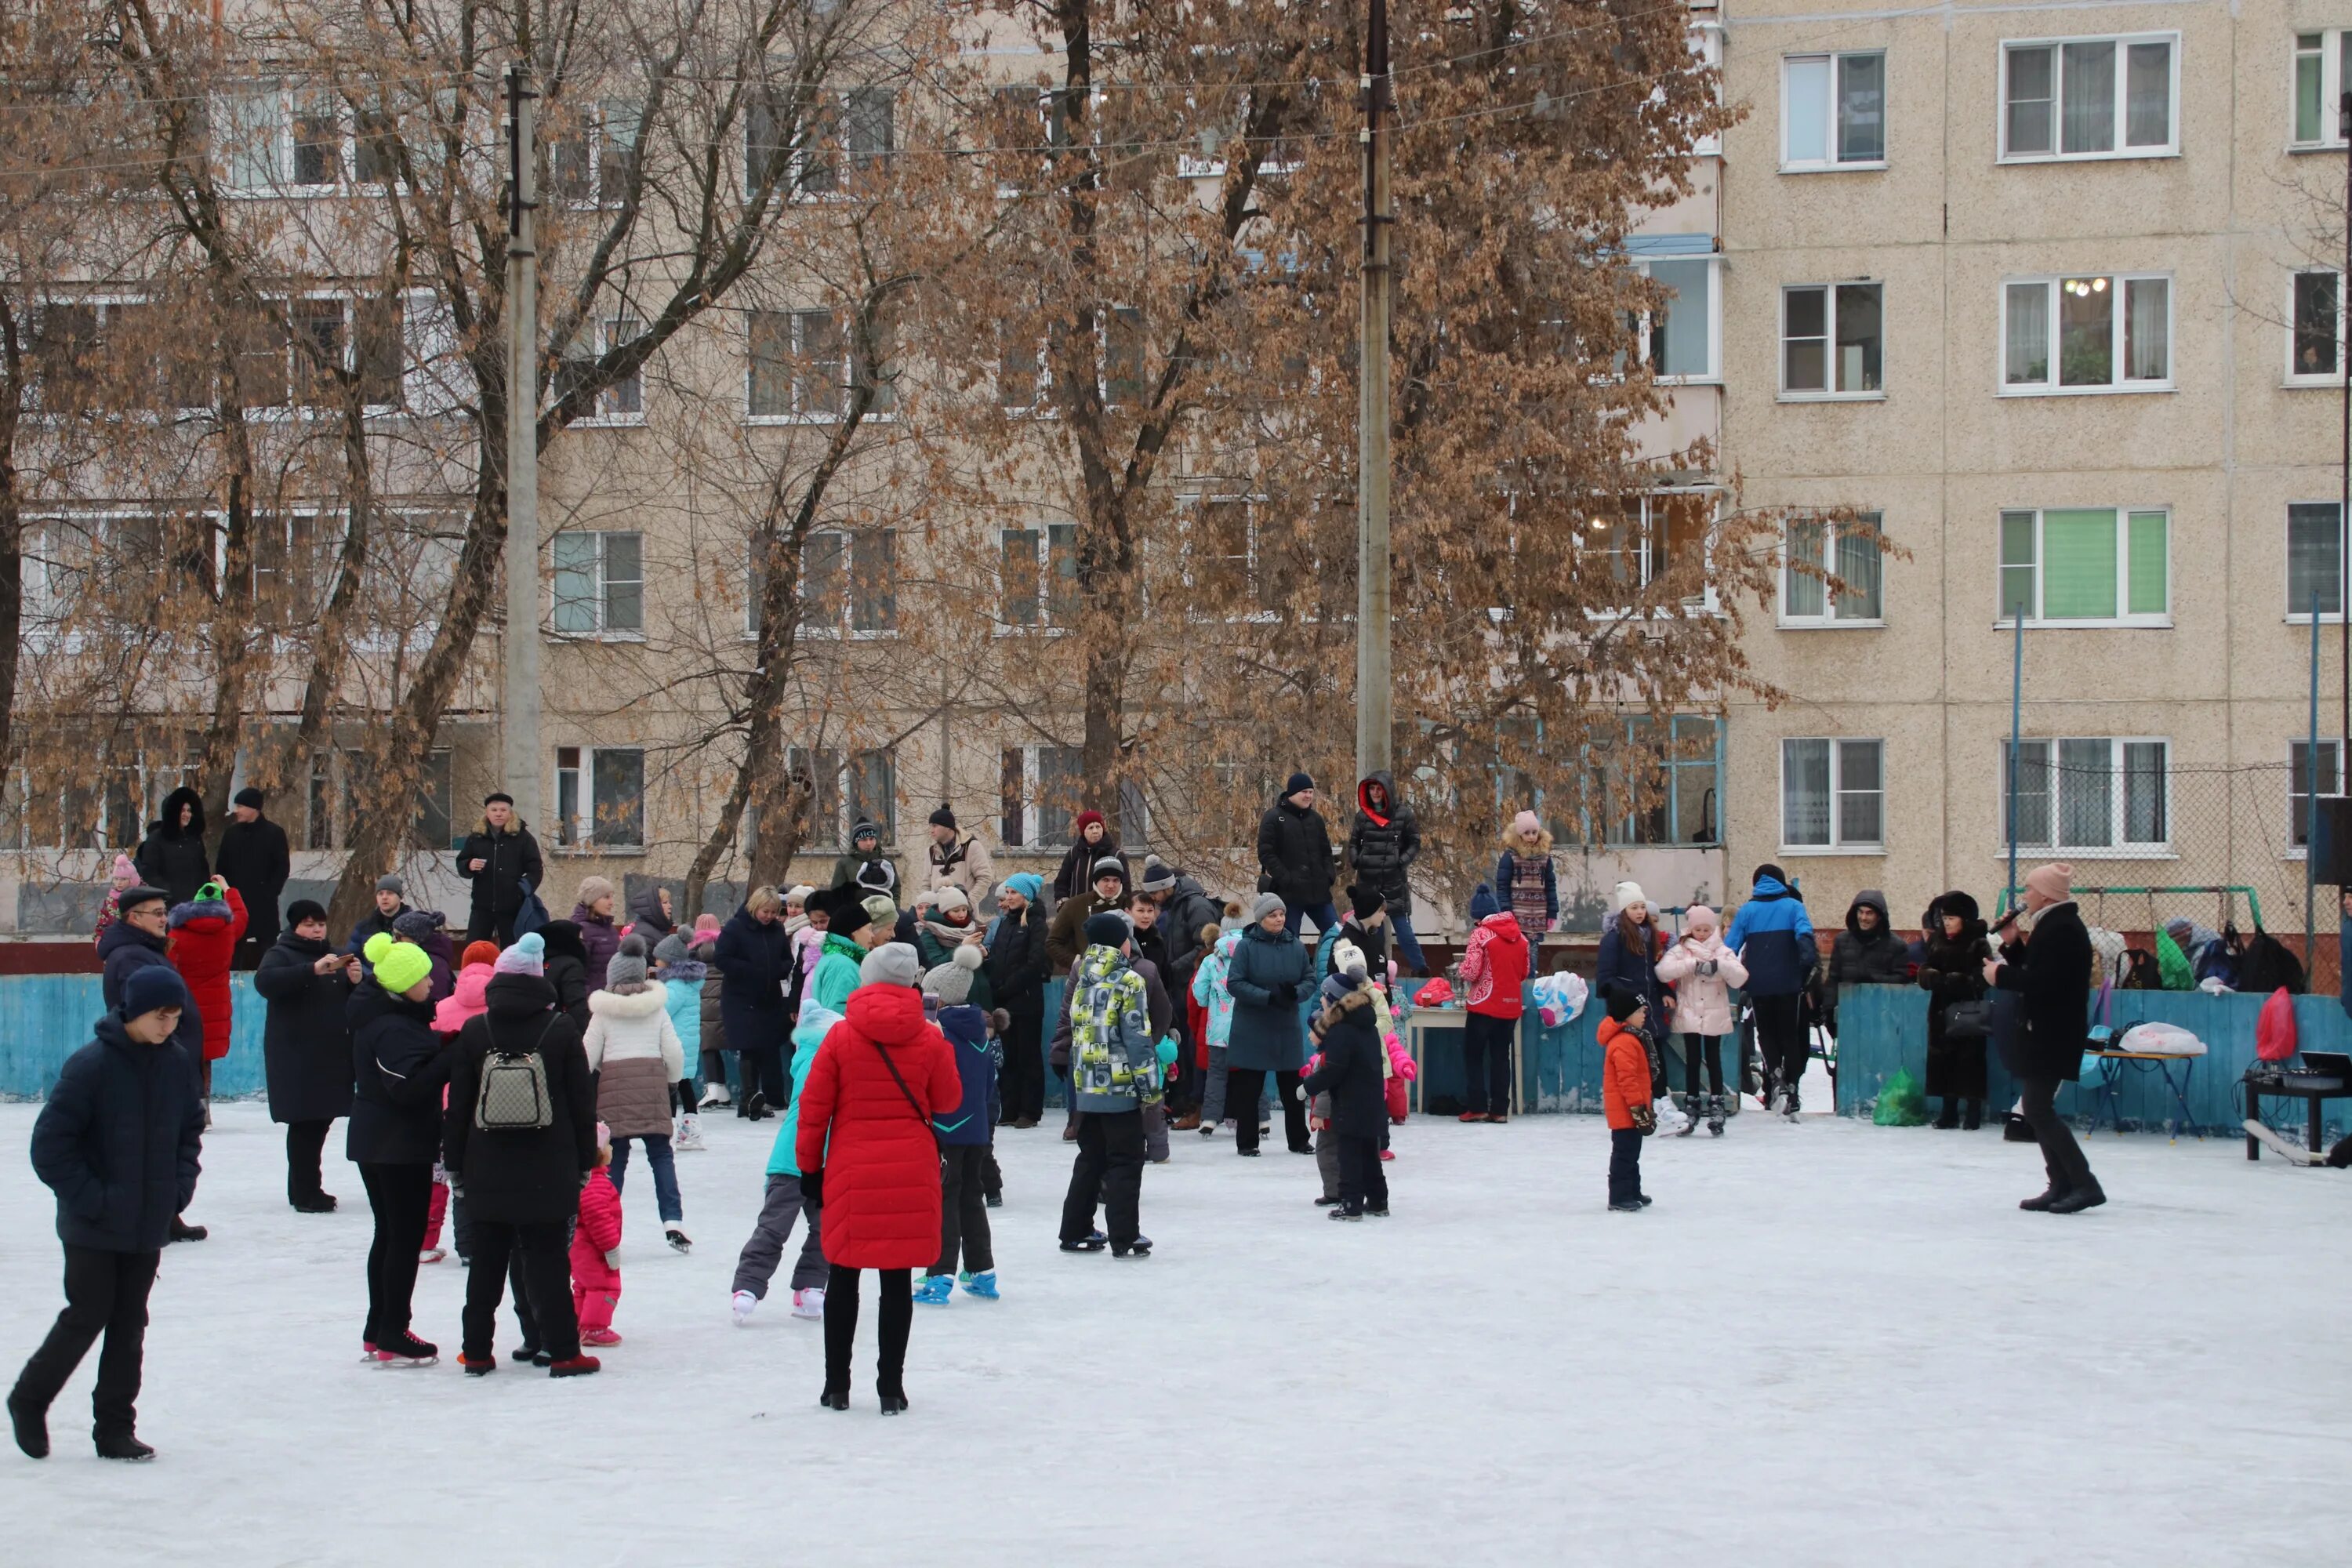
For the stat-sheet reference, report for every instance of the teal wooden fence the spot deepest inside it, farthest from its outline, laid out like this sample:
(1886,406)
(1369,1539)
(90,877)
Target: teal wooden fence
(1882,1028)
(44,1018)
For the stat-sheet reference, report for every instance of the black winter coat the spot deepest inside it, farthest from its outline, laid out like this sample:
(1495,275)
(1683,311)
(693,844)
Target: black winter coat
(124,950)
(1017,967)
(374,920)
(400,1065)
(1076,874)
(255,861)
(509,856)
(306,1041)
(119,1140)
(521,1177)
(755,963)
(567,970)
(2053,970)
(1382,853)
(1294,851)
(173,858)
(1189,909)
(1350,1069)
(1867,958)
(1953,970)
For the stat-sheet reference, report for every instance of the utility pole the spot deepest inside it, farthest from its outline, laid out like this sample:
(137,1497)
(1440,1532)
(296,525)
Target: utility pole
(522,763)
(2343,508)
(1373,721)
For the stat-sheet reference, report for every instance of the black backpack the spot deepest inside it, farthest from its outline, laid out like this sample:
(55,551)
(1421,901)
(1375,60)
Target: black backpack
(2266,965)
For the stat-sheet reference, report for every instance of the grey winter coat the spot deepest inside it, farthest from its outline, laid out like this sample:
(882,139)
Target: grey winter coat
(1269,976)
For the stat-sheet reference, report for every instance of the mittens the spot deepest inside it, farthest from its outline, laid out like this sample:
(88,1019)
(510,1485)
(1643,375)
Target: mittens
(613,1260)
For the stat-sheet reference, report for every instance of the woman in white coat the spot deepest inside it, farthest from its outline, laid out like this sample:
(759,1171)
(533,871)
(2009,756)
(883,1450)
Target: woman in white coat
(1704,972)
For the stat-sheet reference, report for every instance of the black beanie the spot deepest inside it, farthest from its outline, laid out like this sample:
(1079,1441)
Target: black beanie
(249,796)
(845,911)
(943,817)
(1107,930)
(1366,901)
(1623,1003)
(1769,869)
(302,909)
(1299,781)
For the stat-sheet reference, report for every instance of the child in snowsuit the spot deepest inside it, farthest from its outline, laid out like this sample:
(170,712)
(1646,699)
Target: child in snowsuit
(1210,990)
(1626,1096)
(1351,1070)
(597,1250)
(124,877)
(964,1136)
(1703,972)
(787,1201)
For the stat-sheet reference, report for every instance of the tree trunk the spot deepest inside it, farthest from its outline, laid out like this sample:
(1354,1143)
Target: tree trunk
(12,536)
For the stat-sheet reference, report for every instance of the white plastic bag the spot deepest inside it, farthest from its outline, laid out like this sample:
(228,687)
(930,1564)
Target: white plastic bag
(2153,1039)
(1559,998)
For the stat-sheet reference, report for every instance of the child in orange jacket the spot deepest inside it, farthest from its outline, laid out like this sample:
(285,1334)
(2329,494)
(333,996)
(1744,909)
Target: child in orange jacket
(1626,1096)
(595,1249)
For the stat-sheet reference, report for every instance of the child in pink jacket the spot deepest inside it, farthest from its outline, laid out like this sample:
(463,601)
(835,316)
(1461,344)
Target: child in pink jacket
(1703,972)
(596,1250)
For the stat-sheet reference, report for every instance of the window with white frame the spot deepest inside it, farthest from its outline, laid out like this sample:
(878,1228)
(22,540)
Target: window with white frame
(2097,333)
(112,354)
(1834,111)
(624,402)
(288,555)
(2089,794)
(1685,334)
(104,568)
(1038,581)
(854,132)
(600,583)
(600,797)
(849,577)
(594,164)
(1707,54)
(2300,782)
(2315,559)
(2090,98)
(1643,537)
(2086,566)
(798,365)
(1124,347)
(1225,571)
(1022,379)
(1038,791)
(1832,340)
(2315,334)
(1833,794)
(1817,549)
(2319,83)
(271,136)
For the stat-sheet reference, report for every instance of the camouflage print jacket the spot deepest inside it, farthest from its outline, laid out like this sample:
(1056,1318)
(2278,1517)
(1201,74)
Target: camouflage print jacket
(1114,1065)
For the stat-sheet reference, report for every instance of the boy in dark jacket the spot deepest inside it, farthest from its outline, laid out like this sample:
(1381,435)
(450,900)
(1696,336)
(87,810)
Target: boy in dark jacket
(118,1142)
(1349,1072)
(965,1134)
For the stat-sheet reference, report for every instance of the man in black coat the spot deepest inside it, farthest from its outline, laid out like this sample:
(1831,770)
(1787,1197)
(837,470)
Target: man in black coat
(1383,841)
(498,858)
(1293,857)
(2051,967)
(1017,967)
(120,1141)
(255,860)
(306,1045)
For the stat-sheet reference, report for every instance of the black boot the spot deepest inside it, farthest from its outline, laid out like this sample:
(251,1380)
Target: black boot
(2041,1205)
(1971,1115)
(893,1396)
(2087,1196)
(32,1427)
(1949,1117)
(123,1446)
(183,1231)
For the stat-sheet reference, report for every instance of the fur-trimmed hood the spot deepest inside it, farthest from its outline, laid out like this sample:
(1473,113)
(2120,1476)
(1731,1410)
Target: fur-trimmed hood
(626,1005)
(1511,842)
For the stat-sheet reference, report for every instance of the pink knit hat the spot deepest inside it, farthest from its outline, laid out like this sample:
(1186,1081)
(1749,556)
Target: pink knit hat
(706,925)
(1698,917)
(2052,881)
(1525,822)
(124,875)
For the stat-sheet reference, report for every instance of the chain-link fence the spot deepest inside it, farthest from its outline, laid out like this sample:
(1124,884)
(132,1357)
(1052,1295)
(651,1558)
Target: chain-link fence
(2151,843)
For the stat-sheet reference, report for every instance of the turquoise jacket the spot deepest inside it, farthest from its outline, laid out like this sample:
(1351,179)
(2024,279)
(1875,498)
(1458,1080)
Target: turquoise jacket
(1209,987)
(816,1023)
(683,999)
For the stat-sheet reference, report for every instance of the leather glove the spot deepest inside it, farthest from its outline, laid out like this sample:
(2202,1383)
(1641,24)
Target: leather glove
(812,1187)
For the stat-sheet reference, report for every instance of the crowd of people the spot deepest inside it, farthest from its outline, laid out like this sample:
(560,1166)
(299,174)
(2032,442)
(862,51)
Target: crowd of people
(499,1088)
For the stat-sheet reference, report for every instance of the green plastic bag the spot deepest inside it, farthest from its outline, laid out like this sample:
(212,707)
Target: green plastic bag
(2172,964)
(1901,1102)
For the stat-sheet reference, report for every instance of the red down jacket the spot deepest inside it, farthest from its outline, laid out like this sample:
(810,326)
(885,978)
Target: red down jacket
(202,943)
(881,1163)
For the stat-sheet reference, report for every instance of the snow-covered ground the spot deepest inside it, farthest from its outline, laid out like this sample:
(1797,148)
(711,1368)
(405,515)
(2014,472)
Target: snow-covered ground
(1828,1344)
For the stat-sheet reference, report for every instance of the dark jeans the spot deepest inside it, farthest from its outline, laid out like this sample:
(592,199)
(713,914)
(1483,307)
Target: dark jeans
(1323,914)
(1624,1164)
(1486,1063)
(1244,1088)
(482,928)
(106,1293)
(763,1068)
(1707,1048)
(664,1164)
(897,1295)
(1109,1162)
(2063,1158)
(304,1142)
(1409,957)
(1362,1183)
(537,1253)
(401,1198)
(1022,1084)
(1780,1040)
(963,1209)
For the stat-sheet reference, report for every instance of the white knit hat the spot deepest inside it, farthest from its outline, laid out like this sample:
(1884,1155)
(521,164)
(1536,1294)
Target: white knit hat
(1627,893)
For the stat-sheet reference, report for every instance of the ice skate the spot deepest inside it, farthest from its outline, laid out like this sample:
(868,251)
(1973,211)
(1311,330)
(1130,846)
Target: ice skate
(1718,1106)
(742,1307)
(403,1350)
(982,1285)
(716,1095)
(679,1240)
(809,1303)
(1690,1116)
(690,1135)
(933,1290)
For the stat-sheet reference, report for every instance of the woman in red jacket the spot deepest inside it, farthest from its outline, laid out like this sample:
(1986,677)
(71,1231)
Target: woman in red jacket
(204,936)
(868,1153)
